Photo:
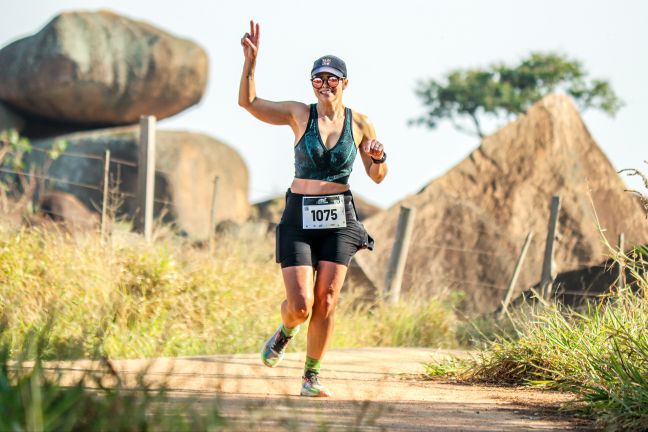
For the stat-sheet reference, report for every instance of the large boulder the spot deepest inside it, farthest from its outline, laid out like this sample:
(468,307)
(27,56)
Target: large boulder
(101,68)
(186,165)
(472,221)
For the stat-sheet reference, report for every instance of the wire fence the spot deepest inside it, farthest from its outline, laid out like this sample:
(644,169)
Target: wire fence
(99,187)
(498,269)
(46,177)
(497,232)
(87,156)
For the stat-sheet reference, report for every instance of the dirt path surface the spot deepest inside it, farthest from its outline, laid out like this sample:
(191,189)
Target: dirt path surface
(374,389)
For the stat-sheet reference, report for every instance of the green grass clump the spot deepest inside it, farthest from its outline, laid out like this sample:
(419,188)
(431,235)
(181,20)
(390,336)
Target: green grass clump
(128,299)
(601,353)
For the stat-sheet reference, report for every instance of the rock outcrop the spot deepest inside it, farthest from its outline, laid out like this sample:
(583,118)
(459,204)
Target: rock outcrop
(67,209)
(186,165)
(472,221)
(101,68)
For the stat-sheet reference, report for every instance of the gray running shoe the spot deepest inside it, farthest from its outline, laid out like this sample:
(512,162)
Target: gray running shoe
(311,386)
(274,349)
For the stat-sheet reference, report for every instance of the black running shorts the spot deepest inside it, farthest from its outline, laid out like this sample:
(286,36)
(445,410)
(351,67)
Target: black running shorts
(297,246)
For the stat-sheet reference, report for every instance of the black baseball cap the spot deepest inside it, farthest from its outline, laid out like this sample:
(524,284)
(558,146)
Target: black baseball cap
(330,64)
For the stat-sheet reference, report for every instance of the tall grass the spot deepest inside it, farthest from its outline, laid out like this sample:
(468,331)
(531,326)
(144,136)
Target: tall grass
(132,299)
(600,353)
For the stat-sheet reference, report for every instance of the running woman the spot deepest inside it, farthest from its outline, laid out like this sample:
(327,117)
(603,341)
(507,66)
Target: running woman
(319,230)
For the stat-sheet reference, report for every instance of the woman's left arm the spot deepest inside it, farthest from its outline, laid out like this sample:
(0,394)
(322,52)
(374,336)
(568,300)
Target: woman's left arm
(371,149)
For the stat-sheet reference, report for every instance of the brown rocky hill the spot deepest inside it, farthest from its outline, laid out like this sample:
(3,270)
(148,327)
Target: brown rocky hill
(472,221)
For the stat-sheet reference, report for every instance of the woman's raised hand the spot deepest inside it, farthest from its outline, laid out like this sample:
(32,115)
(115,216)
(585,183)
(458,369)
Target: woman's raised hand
(250,42)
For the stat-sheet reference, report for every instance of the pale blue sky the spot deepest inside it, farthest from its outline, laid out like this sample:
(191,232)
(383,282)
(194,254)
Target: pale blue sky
(387,46)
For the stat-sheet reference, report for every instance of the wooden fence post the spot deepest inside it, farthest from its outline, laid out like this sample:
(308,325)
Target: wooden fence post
(104,205)
(621,280)
(146,176)
(546,282)
(212,216)
(398,257)
(514,277)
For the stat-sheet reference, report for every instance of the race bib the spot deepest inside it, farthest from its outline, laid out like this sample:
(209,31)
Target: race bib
(323,212)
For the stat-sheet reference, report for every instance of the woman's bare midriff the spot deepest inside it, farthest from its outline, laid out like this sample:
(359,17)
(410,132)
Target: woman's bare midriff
(316,187)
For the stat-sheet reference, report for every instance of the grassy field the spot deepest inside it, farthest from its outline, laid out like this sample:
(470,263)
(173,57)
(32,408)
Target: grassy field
(170,298)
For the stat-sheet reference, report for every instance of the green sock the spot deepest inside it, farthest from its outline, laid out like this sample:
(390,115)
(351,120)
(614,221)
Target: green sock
(312,365)
(289,332)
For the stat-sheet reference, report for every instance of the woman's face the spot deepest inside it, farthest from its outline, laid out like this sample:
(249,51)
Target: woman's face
(328,87)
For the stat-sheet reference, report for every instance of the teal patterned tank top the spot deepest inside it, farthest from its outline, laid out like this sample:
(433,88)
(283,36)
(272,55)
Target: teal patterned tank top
(314,161)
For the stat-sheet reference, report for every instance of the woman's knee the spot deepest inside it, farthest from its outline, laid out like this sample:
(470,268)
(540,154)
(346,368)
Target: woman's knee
(299,308)
(325,305)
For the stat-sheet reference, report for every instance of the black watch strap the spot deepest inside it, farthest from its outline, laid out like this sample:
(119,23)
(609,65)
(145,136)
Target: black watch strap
(381,160)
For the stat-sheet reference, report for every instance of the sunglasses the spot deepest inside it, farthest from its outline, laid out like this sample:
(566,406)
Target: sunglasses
(332,81)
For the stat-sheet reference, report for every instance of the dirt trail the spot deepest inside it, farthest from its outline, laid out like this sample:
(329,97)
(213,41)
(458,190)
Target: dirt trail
(374,389)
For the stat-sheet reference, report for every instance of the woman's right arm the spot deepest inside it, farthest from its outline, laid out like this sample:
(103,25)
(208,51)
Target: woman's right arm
(277,113)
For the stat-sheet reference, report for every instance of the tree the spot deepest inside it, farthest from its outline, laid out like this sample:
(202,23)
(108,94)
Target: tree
(506,91)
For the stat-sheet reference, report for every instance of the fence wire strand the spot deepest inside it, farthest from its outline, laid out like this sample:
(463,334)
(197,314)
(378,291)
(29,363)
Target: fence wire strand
(90,156)
(44,177)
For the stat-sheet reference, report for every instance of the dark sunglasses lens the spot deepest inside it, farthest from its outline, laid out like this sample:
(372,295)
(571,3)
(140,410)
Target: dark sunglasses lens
(317,82)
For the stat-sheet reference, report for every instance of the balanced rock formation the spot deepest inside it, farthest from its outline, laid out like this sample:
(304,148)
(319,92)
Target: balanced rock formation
(186,166)
(471,222)
(101,68)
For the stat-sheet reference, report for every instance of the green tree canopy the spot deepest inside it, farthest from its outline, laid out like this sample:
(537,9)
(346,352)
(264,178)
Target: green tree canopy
(504,91)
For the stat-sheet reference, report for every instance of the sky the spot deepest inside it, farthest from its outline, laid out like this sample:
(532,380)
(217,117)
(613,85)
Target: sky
(388,47)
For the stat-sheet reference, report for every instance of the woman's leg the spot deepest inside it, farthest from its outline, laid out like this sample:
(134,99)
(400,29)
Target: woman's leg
(298,304)
(295,309)
(330,277)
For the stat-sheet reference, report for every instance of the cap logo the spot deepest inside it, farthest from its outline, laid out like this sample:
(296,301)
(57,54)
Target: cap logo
(326,62)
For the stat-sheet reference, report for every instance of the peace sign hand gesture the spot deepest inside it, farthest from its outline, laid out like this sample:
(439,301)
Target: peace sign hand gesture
(250,42)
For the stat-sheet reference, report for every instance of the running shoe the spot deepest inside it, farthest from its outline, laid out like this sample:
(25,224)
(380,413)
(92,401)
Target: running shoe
(312,387)
(274,349)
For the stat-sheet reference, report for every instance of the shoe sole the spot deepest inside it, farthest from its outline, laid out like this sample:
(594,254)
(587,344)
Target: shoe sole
(320,394)
(268,364)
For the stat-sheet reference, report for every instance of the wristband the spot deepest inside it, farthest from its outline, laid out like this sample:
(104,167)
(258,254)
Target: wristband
(381,160)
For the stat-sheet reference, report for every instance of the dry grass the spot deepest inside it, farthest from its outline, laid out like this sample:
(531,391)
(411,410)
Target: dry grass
(132,299)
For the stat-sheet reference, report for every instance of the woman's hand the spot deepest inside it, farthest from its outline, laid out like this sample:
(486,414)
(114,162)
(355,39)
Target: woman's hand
(250,42)
(373,148)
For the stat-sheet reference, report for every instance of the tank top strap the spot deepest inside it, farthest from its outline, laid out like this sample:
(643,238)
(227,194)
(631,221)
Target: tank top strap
(312,117)
(348,120)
